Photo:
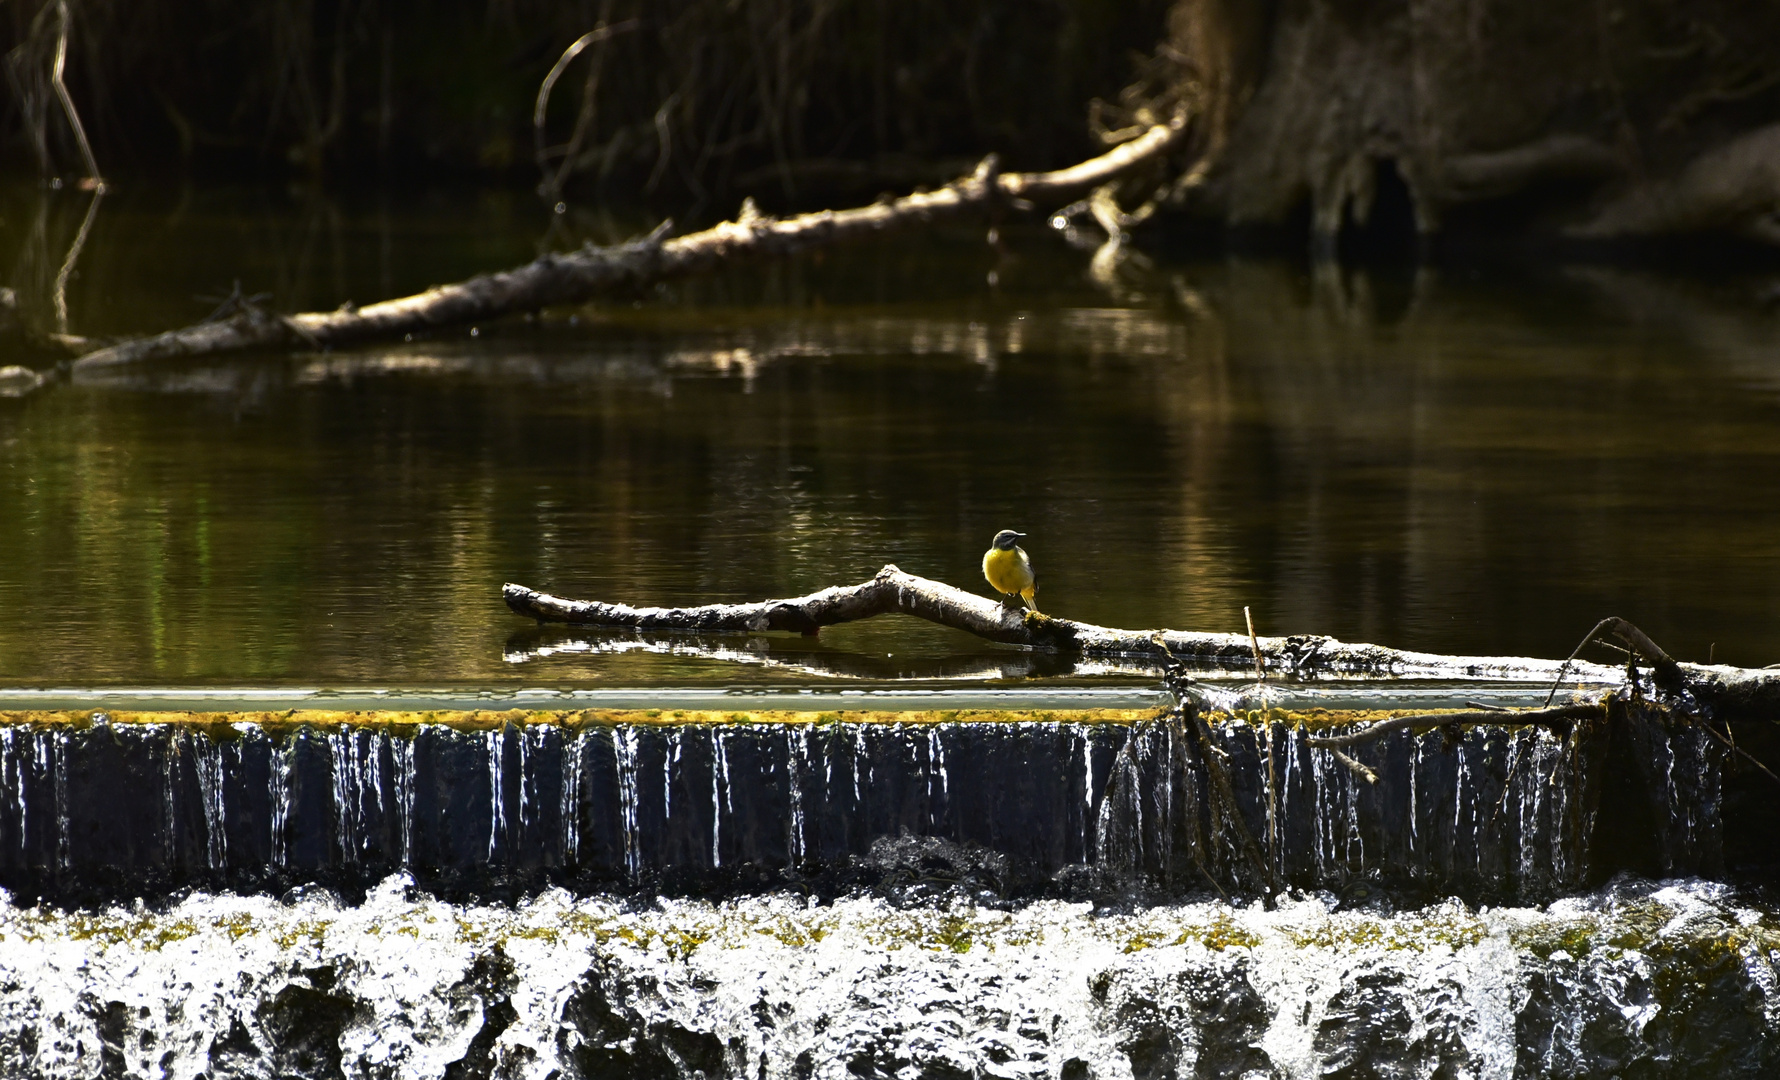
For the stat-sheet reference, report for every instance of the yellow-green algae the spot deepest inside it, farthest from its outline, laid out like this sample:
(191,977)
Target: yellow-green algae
(1451,927)
(1645,926)
(1320,719)
(1217,935)
(1696,943)
(221,726)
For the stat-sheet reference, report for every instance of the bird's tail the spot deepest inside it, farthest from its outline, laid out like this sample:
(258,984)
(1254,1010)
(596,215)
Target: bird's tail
(1028,594)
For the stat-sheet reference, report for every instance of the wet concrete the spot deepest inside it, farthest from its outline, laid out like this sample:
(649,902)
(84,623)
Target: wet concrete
(995,810)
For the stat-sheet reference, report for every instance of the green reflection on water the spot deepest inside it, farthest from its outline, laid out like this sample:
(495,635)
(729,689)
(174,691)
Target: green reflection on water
(1446,463)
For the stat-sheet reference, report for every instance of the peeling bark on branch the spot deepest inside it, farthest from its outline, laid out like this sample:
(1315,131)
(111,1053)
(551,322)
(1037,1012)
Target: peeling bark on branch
(1727,692)
(579,276)
(894,592)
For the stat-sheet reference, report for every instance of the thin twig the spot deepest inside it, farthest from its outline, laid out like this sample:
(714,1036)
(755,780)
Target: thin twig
(553,184)
(1255,643)
(1739,751)
(1355,767)
(1397,723)
(1640,644)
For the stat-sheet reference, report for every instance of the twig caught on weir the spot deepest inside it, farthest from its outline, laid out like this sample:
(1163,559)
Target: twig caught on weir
(1558,715)
(1355,767)
(1637,642)
(1272,801)
(1731,745)
(1254,643)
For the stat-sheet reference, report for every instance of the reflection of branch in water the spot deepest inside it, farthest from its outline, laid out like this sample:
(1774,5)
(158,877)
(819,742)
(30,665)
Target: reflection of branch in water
(813,659)
(37,303)
(1731,334)
(1114,266)
(655,361)
(60,294)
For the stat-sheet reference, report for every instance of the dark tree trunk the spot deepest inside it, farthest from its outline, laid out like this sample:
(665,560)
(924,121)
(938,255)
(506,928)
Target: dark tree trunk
(1377,122)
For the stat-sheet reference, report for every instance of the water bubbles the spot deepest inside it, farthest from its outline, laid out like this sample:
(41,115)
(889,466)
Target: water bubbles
(404,984)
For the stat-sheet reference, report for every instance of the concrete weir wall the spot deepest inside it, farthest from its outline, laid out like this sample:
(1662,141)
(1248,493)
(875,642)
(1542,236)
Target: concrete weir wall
(113,810)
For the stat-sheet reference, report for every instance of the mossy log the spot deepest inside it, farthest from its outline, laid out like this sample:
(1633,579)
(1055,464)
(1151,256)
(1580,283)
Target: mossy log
(576,277)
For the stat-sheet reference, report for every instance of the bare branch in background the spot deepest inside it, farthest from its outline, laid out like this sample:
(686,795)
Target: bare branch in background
(552,184)
(25,67)
(80,133)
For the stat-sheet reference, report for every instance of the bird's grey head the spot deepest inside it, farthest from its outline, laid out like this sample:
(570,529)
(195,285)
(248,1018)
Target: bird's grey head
(1005,539)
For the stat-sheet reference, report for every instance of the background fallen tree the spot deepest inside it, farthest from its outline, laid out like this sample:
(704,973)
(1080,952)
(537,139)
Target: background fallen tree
(581,275)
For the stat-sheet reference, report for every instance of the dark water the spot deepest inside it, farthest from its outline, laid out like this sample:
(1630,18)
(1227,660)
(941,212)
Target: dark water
(1470,461)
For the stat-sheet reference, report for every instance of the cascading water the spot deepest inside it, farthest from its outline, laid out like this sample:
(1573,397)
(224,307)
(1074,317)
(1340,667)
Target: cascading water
(1637,981)
(1160,809)
(568,896)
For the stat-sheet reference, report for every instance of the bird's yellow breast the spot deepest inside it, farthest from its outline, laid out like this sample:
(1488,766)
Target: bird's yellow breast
(1008,571)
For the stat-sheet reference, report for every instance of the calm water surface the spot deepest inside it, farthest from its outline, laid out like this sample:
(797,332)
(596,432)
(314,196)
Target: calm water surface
(1462,461)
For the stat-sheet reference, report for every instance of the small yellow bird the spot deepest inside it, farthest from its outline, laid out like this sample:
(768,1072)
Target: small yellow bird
(1008,569)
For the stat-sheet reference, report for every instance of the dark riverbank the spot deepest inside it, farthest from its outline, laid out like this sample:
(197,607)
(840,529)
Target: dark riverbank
(694,97)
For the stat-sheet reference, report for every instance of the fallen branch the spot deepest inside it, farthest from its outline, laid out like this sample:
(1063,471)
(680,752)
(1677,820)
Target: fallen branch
(579,276)
(1562,714)
(1730,693)
(894,592)
(1360,771)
